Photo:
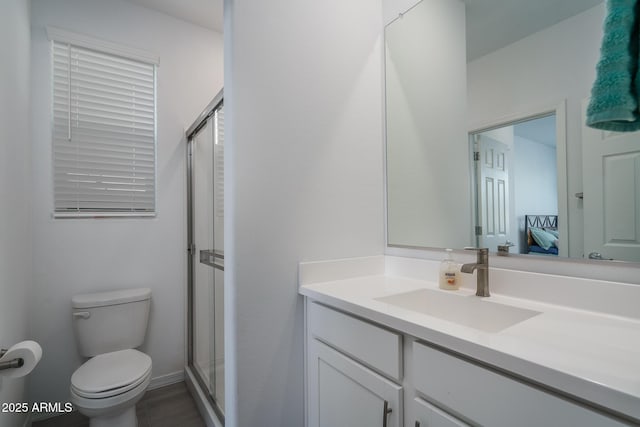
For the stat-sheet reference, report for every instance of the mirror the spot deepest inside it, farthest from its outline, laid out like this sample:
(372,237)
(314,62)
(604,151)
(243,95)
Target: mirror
(456,74)
(427,156)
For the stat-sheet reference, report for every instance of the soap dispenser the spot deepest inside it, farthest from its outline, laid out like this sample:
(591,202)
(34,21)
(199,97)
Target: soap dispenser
(449,279)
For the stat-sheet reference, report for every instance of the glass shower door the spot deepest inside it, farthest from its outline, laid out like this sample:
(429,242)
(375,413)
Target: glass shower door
(206,256)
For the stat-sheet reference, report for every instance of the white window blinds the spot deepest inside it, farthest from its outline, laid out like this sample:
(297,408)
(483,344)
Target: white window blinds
(104,136)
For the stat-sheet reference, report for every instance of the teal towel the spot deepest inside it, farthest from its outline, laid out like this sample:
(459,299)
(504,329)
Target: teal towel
(614,96)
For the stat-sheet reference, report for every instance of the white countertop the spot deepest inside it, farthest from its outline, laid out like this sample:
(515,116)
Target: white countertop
(589,355)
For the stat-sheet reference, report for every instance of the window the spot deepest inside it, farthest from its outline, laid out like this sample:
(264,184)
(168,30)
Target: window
(104,133)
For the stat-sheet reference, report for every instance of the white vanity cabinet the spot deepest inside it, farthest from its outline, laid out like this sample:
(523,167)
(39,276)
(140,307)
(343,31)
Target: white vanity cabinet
(352,369)
(356,377)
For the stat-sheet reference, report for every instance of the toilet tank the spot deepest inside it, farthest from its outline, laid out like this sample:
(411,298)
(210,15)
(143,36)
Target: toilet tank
(110,321)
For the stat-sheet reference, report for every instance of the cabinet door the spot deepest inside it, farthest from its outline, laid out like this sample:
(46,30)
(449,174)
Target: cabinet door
(428,415)
(344,393)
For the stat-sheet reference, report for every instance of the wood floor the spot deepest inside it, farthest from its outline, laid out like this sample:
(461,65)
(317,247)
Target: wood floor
(169,406)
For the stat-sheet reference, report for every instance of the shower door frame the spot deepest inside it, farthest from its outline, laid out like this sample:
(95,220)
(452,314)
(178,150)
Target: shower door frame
(192,257)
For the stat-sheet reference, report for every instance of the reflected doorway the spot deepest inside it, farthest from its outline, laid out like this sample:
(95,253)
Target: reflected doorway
(515,177)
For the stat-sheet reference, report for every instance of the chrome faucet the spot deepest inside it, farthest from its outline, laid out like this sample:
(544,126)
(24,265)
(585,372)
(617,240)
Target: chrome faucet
(482,265)
(503,249)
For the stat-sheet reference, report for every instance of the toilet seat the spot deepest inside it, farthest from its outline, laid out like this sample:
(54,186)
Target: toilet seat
(108,406)
(111,374)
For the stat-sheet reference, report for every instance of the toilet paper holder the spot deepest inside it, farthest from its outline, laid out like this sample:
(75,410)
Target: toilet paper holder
(10,364)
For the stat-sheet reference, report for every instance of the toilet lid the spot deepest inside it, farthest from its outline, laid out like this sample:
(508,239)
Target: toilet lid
(111,373)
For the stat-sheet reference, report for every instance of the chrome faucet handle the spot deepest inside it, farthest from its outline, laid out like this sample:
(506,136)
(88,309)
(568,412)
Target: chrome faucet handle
(483,254)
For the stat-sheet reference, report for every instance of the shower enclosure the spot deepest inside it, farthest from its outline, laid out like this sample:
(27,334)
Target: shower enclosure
(205,230)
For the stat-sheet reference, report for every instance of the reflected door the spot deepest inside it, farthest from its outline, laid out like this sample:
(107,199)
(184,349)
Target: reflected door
(493,190)
(206,165)
(611,176)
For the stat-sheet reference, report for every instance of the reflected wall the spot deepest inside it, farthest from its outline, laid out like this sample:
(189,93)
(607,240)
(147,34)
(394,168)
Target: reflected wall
(428,202)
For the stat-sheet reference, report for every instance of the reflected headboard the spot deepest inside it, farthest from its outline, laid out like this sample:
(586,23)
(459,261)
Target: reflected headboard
(546,222)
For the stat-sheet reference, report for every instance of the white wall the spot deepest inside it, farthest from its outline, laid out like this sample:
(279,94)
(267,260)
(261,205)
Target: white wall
(393,9)
(15,179)
(537,73)
(86,255)
(303,180)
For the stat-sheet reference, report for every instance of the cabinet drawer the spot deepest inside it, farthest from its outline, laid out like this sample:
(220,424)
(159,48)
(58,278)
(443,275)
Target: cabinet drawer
(376,347)
(488,398)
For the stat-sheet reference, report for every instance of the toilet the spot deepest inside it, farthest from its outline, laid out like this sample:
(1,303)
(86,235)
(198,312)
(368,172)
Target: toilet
(109,326)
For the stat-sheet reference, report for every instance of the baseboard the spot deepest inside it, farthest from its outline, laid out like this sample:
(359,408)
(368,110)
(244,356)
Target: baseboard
(167,379)
(206,412)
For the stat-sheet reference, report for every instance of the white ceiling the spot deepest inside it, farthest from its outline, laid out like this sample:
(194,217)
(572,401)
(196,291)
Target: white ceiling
(206,13)
(493,24)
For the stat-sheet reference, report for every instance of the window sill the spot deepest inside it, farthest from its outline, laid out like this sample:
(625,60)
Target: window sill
(101,215)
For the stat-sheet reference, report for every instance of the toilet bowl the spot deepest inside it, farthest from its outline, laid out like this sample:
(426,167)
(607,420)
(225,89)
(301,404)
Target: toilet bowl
(107,387)
(108,327)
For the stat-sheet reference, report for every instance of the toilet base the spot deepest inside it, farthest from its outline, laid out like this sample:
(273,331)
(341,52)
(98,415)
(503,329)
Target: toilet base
(114,411)
(123,419)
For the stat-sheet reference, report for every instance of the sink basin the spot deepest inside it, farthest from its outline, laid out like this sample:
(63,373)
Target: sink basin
(467,310)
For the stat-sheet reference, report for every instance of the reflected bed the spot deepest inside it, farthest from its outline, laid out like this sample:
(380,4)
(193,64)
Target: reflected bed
(541,234)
